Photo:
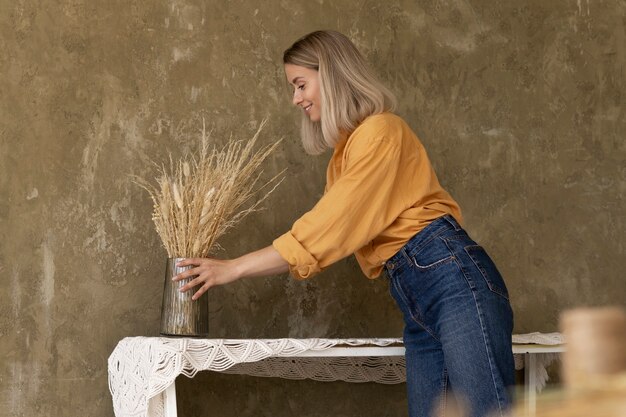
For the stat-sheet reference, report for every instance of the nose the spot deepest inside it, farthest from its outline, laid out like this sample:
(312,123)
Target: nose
(297,97)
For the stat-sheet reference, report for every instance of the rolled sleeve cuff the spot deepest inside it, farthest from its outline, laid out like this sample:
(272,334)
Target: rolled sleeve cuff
(302,264)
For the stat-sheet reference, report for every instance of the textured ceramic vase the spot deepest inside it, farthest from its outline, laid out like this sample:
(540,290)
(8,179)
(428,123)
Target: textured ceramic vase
(180,315)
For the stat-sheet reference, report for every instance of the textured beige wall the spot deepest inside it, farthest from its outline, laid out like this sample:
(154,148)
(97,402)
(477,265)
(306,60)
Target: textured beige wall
(518,102)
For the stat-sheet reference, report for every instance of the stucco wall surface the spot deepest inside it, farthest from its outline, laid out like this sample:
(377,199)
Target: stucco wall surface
(518,102)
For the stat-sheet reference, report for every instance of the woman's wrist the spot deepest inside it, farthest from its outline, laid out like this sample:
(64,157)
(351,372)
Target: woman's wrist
(239,268)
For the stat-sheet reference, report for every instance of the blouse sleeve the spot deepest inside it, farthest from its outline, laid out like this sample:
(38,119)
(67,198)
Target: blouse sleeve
(353,211)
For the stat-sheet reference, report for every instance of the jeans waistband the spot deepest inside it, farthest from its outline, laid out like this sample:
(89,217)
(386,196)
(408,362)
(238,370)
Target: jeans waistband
(438,226)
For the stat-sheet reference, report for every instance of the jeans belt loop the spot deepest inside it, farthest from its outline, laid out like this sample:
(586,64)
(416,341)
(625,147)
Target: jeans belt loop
(452,221)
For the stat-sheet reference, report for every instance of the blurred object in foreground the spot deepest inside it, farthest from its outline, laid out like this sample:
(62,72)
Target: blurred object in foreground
(593,368)
(596,345)
(451,405)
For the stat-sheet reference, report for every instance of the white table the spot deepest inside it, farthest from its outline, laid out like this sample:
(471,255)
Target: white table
(536,358)
(143,370)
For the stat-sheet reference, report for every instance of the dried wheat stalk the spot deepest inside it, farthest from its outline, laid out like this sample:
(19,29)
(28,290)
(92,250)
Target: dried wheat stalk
(197,199)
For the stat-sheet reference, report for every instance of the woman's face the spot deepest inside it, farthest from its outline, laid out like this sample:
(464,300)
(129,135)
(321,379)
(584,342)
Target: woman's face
(306,90)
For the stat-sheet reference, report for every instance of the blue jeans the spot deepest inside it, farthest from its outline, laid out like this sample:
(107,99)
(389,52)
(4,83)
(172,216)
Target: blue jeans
(458,322)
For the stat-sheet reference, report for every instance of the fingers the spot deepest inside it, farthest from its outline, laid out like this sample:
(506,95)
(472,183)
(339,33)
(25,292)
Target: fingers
(200,275)
(187,274)
(201,291)
(190,261)
(191,284)
(195,283)
(205,272)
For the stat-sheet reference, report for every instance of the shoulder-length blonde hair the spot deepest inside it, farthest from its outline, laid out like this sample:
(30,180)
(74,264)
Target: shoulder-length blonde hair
(349,91)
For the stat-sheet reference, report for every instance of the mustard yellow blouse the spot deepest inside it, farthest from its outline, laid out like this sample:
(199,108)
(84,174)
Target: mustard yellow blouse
(380,191)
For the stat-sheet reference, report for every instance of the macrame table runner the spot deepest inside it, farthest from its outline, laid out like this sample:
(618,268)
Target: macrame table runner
(142,368)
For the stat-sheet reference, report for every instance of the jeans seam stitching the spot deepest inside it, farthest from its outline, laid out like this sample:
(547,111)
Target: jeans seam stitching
(444,392)
(434,264)
(410,310)
(492,288)
(489,354)
(487,346)
(403,297)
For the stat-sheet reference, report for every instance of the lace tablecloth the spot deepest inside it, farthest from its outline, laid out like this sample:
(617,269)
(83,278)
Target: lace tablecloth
(141,368)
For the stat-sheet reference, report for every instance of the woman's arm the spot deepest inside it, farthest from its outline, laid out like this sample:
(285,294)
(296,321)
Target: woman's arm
(210,272)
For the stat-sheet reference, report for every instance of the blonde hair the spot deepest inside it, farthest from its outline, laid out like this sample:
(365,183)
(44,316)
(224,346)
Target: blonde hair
(349,91)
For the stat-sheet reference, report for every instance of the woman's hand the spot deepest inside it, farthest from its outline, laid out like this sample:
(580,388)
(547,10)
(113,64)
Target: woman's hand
(210,272)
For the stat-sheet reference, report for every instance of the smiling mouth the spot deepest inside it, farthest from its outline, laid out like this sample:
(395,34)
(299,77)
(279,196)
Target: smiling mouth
(307,108)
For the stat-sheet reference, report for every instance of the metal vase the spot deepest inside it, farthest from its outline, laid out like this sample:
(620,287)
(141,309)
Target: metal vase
(180,315)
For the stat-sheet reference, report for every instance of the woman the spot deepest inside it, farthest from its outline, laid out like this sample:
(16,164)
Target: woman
(384,203)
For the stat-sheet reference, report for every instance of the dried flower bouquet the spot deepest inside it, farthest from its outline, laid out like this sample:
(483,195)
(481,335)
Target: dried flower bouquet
(200,197)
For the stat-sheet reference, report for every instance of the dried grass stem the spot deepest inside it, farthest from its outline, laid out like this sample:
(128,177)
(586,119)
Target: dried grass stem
(197,199)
